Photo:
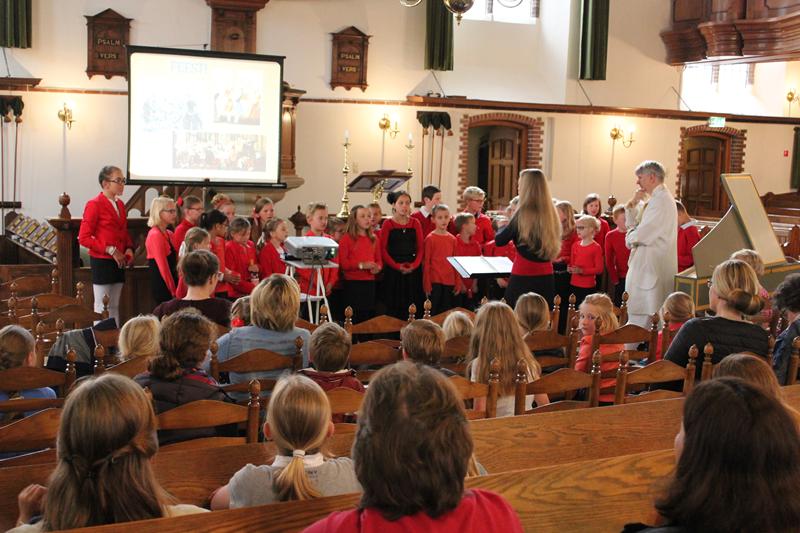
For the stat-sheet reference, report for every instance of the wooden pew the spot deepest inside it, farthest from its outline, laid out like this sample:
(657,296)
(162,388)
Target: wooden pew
(570,497)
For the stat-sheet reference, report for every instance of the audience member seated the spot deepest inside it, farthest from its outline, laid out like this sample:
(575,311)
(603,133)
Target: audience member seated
(411,456)
(106,442)
(274,306)
(756,371)
(329,352)
(597,311)
(299,421)
(83,342)
(240,312)
(532,313)
(787,300)
(497,335)
(138,338)
(17,348)
(199,269)
(457,324)
(737,467)
(175,377)
(732,294)
(753,258)
(680,308)
(423,343)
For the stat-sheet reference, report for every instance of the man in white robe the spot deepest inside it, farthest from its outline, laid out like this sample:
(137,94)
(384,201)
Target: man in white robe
(652,238)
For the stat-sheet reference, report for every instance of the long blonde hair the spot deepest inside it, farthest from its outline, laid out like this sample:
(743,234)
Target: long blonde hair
(537,222)
(139,337)
(298,417)
(497,334)
(565,208)
(104,475)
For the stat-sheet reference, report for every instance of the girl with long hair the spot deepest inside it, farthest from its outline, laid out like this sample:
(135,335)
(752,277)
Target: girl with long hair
(104,474)
(162,257)
(139,338)
(263,212)
(497,335)
(272,257)
(535,230)
(299,421)
(360,260)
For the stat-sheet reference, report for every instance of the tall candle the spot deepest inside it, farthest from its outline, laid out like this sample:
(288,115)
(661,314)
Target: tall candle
(347,136)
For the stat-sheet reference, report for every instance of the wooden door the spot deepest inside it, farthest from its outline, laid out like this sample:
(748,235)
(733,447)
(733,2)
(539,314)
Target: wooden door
(700,186)
(503,169)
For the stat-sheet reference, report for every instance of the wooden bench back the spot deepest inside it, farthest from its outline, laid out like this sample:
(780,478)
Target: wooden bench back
(561,381)
(659,372)
(469,390)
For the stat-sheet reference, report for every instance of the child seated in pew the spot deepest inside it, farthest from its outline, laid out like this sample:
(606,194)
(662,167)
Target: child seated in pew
(299,421)
(104,474)
(138,338)
(737,467)
(329,352)
(18,348)
(497,335)
(753,258)
(457,324)
(175,377)
(596,316)
(679,307)
(423,342)
(787,300)
(532,313)
(240,312)
(412,451)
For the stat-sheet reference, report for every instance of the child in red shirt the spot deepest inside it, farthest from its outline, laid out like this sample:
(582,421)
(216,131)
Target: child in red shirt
(598,308)
(191,209)
(592,206)
(677,309)
(317,218)
(474,198)
(272,255)
(376,217)
(431,197)
(216,224)
(438,276)
(360,260)
(466,245)
(560,274)
(240,256)
(586,260)
(688,236)
(196,239)
(617,254)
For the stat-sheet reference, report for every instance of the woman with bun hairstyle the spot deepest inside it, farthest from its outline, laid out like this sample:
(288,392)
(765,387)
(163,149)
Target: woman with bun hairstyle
(733,295)
(401,247)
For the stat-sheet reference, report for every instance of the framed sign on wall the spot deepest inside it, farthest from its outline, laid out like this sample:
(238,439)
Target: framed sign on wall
(349,64)
(108,33)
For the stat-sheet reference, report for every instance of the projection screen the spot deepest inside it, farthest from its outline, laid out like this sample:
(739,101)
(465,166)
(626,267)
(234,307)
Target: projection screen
(203,117)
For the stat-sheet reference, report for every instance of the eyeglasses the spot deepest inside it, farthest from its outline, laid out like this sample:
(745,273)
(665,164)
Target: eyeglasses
(580,227)
(170,210)
(118,181)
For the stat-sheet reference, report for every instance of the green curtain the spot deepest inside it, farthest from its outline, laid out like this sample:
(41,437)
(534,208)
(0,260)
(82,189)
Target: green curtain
(439,37)
(594,39)
(15,24)
(795,179)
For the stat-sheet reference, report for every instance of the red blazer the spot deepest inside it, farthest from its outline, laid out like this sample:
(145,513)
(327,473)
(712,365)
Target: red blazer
(238,258)
(101,227)
(158,248)
(361,250)
(270,262)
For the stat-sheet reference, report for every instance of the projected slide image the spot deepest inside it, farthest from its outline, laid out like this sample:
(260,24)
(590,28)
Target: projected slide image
(171,113)
(237,106)
(218,151)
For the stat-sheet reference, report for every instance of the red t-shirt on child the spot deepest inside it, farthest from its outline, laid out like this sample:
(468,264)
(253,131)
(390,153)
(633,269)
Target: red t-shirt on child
(584,363)
(361,250)
(473,248)
(590,260)
(435,266)
(617,255)
(238,258)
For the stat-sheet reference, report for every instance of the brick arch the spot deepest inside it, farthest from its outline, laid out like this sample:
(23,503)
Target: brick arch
(734,145)
(532,130)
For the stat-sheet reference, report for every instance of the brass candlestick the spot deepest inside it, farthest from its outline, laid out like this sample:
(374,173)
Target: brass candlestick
(409,147)
(344,212)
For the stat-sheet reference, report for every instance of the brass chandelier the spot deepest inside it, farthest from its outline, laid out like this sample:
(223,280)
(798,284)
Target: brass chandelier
(459,7)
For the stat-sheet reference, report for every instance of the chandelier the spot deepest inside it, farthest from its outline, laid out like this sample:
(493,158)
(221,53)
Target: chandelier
(459,7)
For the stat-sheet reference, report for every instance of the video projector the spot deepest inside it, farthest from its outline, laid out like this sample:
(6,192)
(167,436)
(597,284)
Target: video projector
(311,250)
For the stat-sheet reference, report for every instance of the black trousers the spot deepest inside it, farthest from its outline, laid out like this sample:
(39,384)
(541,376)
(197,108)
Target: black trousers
(619,288)
(442,298)
(360,295)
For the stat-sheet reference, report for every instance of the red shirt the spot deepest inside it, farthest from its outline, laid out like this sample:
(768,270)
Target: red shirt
(270,262)
(473,248)
(485,233)
(102,227)
(590,260)
(600,235)
(688,236)
(673,328)
(425,221)
(435,266)
(617,255)
(490,249)
(182,289)
(218,248)
(386,230)
(584,363)
(329,275)
(180,233)
(361,250)
(238,257)
(479,511)
(158,248)
(566,247)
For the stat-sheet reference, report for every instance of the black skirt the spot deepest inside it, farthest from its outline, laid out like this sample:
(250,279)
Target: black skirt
(158,287)
(106,271)
(519,285)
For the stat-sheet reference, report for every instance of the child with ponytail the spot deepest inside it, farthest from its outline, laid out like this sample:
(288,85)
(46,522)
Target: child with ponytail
(17,347)
(299,421)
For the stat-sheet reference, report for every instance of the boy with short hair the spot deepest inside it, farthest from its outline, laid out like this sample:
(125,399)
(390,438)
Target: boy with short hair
(431,196)
(688,236)
(329,352)
(473,200)
(466,245)
(617,254)
(423,342)
(438,276)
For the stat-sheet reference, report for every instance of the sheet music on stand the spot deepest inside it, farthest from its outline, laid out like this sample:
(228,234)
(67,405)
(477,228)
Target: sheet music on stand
(481,267)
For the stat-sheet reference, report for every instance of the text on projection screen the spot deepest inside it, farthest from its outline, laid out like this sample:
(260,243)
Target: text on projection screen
(197,118)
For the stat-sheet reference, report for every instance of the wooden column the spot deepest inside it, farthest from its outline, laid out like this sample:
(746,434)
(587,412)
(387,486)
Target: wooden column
(291,97)
(233,25)
(66,243)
